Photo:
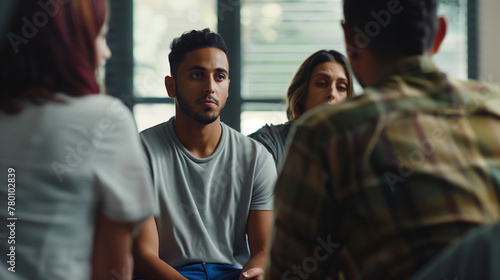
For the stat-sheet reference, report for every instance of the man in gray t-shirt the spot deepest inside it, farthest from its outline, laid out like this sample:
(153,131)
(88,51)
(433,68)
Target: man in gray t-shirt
(213,185)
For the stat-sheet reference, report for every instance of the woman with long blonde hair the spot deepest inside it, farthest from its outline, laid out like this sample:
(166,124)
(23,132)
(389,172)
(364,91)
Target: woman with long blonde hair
(325,77)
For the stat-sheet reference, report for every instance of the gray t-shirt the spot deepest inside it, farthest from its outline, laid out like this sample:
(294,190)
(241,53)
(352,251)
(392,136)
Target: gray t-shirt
(204,202)
(71,160)
(273,137)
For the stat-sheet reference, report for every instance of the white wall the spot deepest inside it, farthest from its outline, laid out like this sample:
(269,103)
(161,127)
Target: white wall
(489,41)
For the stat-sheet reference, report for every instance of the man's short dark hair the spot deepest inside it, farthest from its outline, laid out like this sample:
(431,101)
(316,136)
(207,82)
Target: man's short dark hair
(393,27)
(191,41)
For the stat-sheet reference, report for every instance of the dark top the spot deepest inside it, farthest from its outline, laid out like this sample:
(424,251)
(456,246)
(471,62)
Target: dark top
(273,137)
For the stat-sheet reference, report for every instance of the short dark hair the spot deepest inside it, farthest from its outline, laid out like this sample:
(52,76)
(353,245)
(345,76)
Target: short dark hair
(394,27)
(297,91)
(191,41)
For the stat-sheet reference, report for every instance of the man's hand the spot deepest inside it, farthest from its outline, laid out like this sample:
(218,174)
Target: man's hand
(255,273)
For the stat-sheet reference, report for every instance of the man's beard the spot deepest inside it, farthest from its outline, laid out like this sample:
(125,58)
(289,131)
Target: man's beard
(188,110)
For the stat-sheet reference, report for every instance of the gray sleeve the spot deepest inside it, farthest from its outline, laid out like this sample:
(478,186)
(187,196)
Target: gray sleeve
(146,157)
(123,182)
(264,181)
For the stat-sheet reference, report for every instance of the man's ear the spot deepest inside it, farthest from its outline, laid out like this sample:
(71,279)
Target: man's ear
(170,86)
(352,48)
(440,33)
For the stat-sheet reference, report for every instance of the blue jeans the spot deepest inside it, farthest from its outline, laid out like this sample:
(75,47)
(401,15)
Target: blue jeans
(209,271)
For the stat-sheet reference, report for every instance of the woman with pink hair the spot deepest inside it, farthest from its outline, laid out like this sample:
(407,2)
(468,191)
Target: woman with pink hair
(71,167)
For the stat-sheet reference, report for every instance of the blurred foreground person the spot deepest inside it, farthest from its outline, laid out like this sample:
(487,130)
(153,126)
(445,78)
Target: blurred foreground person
(398,173)
(72,176)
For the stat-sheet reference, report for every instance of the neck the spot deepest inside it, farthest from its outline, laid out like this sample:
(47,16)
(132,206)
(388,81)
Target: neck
(375,66)
(200,140)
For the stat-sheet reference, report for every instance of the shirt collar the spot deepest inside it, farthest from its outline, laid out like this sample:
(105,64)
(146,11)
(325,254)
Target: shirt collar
(413,66)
